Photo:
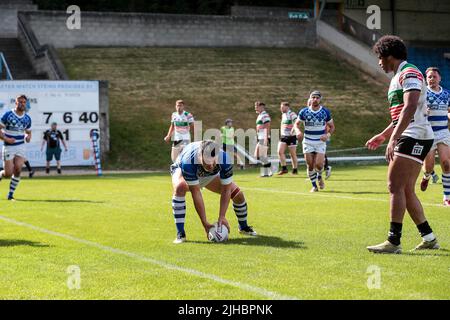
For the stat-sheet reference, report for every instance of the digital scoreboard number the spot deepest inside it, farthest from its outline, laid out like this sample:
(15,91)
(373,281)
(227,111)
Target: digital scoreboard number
(73,105)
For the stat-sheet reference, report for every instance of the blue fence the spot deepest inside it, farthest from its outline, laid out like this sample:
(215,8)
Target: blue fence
(4,68)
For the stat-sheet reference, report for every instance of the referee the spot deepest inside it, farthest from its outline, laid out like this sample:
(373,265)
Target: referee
(53,137)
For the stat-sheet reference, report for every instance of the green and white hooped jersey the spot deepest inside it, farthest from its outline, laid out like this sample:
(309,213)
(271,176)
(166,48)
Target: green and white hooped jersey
(408,77)
(287,123)
(261,120)
(182,123)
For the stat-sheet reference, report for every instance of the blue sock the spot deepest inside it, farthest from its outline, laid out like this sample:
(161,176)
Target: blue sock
(179,212)
(13,185)
(446,185)
(313,177)
(241,214)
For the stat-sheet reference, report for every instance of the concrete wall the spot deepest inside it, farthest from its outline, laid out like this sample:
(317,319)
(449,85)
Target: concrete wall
(8,16)
(132,29)
(266,12)
(347,48)
(416,20)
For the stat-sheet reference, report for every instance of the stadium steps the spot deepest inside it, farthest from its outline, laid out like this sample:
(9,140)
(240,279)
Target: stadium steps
(20,66)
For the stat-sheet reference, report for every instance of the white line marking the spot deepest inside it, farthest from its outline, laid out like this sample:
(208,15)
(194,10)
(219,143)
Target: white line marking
(166,265)
(318,194)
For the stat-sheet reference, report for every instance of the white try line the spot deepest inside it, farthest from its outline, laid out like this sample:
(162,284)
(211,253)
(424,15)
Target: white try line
(163,264)
(318,194)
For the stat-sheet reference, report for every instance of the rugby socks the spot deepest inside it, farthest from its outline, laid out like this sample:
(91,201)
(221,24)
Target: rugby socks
(425,231)
(446,185)
(13,185)
(319,174)
(313,177)
(395,233)
(179,212)
(241,214)
(27,164)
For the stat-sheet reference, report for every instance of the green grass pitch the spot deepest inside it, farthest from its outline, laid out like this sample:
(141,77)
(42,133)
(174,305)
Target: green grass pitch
(118,231)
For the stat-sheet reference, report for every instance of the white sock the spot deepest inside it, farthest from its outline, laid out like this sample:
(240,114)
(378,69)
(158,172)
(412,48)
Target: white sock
(429,237)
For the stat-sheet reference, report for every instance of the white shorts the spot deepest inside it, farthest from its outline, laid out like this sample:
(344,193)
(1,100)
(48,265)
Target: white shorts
(444,139)
(314,147)
(204,181)
(9,152)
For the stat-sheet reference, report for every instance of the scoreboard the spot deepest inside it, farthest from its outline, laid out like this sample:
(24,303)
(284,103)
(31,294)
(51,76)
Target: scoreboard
(73,105)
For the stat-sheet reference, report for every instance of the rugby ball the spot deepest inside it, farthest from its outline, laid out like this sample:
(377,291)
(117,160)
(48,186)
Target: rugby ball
(218,234)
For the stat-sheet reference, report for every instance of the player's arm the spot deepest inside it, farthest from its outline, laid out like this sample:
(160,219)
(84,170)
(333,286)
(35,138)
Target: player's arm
(199,205)
(169,134)
(411,99)
(191,128)
(191,124)
(44,141)
(226,179)
(61,137)
(374,142)
(266,133)
(2,134)
(28,135)
(297,130)
(329,130)
(225,197)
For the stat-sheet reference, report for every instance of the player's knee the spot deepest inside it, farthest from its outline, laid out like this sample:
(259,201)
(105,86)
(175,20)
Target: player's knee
(180,190)
(446,165)
(395,187)
(7,174)
(237,195)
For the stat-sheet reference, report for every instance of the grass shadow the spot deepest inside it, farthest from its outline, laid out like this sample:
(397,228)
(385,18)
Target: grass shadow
(264,241)
(439,252)
(356,192)
(17,242)
(59,201)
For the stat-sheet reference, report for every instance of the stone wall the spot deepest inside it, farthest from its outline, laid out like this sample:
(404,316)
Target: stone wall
(135,29)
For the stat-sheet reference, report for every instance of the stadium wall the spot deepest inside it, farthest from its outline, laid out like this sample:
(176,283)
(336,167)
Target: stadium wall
(348,48)
(415,20)
(8,16)
(139,30)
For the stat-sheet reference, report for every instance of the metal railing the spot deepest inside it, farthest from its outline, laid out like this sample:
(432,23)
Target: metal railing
(4,64)
(47,52)
(360,31)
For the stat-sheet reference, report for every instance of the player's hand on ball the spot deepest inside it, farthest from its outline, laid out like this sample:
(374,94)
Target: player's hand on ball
(207,226)
(375,142)
(224,222)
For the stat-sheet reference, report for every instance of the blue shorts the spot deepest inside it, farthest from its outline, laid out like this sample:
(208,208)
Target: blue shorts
(53,152)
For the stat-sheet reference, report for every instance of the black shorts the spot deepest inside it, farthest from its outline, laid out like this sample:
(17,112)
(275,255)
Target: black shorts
(290,140)
(179,143)
(413,149)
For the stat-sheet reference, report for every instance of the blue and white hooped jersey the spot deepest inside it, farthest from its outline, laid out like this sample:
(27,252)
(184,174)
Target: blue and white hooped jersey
(438,104)
(315,123)
(15,126)
(192,170)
